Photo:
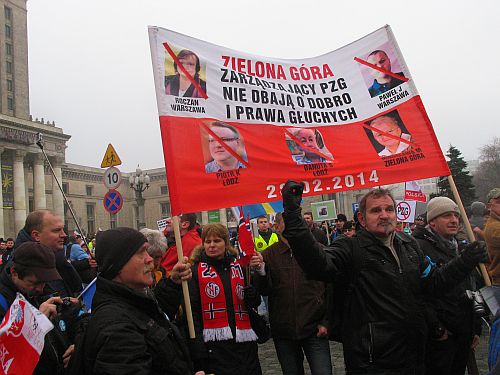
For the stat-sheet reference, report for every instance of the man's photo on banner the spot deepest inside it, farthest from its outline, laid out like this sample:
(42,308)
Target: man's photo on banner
(223,147)
(381,70)
(388,134)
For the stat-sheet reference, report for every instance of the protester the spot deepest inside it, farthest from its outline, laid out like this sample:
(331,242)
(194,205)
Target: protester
(156,250)
(47,228)
(382,81)
(492,235)
(225,343)
(297,308)
(32,266)
(349,229)
(179,84)
(383,327)
(476,218)
(453,328)
(84,264)
(9,248)
(339,224)
(189,239)
(128,332)
(266,235)
(318,233)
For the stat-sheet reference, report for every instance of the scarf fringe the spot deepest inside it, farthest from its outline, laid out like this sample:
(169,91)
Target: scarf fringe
(217,334)
(245,335)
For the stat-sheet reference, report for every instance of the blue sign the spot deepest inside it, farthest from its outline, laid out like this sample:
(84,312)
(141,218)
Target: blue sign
(355,206)
(113,201)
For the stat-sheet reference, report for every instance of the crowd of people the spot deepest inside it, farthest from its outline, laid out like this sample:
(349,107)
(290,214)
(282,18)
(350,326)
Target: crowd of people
(398,301)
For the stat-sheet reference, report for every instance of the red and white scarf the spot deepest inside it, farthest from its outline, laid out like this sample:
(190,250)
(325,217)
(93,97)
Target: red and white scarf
(214,309)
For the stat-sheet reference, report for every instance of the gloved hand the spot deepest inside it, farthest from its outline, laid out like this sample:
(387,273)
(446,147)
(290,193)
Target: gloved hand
(251,296)
(292,195)
(475,253)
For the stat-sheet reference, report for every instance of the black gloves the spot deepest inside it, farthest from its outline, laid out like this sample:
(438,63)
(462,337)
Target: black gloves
(475,253)
(251,296)
(292,195)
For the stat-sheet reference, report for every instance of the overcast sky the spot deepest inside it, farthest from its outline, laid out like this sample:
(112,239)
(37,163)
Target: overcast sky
(90,64)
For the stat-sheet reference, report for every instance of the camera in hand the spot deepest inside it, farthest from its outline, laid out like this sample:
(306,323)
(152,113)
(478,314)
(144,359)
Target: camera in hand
(478,305)
(64,306)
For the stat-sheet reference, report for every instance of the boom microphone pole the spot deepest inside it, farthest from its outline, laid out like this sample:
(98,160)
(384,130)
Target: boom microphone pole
(39,143)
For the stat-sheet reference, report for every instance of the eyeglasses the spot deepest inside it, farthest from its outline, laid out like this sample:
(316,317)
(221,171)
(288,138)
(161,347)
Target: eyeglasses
(225,140)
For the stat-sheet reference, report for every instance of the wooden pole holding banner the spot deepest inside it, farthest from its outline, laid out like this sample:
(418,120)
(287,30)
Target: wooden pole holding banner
(185,289)
(468,227)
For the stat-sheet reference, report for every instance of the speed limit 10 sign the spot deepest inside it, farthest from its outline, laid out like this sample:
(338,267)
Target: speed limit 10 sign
(112,178)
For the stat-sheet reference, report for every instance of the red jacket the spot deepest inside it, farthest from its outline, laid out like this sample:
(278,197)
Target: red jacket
(189,241)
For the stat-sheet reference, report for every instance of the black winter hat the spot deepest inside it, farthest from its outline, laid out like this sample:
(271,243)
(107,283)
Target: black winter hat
(114,248)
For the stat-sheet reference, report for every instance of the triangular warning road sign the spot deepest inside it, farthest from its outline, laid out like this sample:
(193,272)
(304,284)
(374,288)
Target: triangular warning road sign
(111,158)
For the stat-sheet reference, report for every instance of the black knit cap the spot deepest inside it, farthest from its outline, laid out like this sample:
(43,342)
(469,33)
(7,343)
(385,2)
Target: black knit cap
(114,248)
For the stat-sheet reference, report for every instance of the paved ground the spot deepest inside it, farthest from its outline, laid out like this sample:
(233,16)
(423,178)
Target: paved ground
(270,364)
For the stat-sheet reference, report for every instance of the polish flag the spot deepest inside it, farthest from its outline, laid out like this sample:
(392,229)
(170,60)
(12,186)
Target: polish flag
(22,335)
(413,192)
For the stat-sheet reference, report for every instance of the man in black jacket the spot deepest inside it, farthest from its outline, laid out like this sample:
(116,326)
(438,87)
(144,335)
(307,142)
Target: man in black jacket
(318,233)
(383,327)
(128,332)
(453,329)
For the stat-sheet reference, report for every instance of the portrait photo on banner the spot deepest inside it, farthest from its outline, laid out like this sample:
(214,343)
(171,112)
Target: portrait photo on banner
(185,75)
(388,135)
(378,82)
(307,146)
(223,147)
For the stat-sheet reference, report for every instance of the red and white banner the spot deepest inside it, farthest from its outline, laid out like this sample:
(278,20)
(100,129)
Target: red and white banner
(414,192)
(236,126)
(22,335)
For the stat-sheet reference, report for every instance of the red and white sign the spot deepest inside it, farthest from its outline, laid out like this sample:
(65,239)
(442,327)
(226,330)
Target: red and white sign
(22,335)
(414,192)
(405,211)
(235,126)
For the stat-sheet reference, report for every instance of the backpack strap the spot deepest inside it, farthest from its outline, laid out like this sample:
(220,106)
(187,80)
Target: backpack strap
(4,303)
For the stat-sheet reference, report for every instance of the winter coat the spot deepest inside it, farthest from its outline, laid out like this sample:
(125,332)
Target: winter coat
(492,238)
(451,310)
(189,241)
(55,343)
(296,304)
(226,357)
(129,334)
(384,326)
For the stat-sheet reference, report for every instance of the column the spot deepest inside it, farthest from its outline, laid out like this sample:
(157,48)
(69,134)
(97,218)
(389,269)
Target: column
(204,217)
(39,182)
(57,197)
(19,190)
(223,216)
(2,229)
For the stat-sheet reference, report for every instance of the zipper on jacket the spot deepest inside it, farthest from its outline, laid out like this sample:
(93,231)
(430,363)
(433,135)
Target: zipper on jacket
(370,348)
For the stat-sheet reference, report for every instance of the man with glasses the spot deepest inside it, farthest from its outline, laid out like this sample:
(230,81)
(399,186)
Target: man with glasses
(389,125)
(223,160)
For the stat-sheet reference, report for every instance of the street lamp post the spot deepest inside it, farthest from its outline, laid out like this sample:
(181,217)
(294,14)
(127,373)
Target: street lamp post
(139,182)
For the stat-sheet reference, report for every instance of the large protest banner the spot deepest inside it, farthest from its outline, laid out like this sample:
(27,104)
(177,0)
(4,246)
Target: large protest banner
(235,126)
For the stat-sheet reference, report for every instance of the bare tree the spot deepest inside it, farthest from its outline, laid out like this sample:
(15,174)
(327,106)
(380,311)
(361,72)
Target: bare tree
(487,175)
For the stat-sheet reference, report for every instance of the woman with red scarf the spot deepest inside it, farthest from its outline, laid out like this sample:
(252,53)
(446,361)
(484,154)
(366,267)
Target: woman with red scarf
(225,343)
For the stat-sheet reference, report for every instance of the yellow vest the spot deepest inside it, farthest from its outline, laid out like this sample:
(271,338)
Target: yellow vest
(261,245)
